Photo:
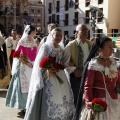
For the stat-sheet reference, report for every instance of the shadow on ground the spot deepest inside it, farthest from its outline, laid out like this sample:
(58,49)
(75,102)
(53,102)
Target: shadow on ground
(21,115)
(3,94)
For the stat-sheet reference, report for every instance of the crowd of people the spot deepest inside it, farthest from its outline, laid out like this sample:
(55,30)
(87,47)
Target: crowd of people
(53,78)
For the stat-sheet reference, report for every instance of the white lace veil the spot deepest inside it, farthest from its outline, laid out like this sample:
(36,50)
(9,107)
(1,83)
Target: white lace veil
(50,38)
(25,34)
(36,82)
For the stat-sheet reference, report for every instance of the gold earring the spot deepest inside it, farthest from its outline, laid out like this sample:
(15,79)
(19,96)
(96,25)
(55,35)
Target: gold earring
(101,54)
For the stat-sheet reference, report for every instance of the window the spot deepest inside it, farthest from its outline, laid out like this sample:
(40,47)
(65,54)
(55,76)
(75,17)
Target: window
(39,20)
(100,1)
(53,18)
(115,33)
(38,11)
(58,6)
(32,10)
(87,3)
(57,20)
(87,16)
(33,20)
(50,19)
(71,3)
(66,33)
(66,5)
(76,18)
(76,4)
(99,31)
(66,20)
(17,10)
(50,8)
(100,15)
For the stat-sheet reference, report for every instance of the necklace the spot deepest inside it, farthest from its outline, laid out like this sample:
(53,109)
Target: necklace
(103,59)
(105,62)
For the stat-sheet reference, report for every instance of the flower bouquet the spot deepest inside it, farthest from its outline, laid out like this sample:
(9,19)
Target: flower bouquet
(97,105)
(49,62)
(20,55)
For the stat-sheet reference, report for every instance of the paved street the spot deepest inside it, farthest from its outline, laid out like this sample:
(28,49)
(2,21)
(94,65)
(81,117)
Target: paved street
(7,113)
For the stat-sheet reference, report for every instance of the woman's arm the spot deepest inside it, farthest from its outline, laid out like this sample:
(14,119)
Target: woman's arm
(88,87)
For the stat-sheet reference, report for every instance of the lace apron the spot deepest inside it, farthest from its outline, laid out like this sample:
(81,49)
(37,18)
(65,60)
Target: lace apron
(112,112)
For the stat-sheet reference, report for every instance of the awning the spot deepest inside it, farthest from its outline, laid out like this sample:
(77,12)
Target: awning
(116,41)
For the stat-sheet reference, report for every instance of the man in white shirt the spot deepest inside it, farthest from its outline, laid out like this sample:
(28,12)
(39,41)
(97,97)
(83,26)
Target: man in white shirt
(11,44)
(75,54)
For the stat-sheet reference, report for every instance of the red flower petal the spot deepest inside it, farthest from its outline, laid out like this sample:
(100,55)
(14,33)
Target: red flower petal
(100,102)
(16,54)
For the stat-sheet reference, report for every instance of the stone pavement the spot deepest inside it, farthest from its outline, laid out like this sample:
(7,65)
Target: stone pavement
(7,113)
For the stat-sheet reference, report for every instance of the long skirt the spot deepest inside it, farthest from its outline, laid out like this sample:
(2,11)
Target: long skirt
(15,98)
(53,102)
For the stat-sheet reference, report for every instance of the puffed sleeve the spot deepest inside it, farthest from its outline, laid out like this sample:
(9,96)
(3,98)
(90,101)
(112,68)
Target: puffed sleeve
(66,60)
(88,87)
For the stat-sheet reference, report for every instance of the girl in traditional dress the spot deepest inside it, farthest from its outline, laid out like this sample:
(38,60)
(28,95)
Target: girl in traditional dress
(22,69)
(48,99)
(99,80)
(4,68)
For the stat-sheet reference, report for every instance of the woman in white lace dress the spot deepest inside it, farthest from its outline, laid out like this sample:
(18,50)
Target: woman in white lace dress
(48,99)
(99,80)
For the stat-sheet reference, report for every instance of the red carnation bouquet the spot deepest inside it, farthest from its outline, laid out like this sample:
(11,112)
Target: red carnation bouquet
(97,105)
(49,62)
(20,55)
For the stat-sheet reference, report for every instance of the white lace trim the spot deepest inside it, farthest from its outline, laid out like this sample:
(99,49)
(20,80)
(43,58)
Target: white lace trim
(110,71)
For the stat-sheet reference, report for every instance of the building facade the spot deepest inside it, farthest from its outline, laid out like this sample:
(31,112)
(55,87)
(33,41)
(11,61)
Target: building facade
(18,13)
(11,15)
(101,16)
(36,12)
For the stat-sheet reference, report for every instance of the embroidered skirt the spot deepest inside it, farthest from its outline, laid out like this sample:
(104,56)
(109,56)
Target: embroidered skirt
(53,102)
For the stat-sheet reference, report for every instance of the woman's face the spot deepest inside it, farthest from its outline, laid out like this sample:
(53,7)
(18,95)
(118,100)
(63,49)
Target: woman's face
(33,33)
(107,50)
(57,37)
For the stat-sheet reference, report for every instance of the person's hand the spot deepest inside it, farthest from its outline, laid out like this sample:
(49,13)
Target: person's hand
(23,61)
(52,71)
(77,73)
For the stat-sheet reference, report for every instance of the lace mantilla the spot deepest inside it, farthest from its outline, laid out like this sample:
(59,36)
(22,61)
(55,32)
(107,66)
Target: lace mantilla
(110,71)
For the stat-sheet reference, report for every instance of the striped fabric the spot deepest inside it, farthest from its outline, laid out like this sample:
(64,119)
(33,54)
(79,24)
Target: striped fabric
(116,40)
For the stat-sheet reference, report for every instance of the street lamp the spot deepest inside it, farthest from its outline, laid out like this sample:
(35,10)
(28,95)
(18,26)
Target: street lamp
(94,11)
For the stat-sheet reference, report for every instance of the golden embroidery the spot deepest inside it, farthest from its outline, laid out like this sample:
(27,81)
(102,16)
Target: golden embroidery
(111,72)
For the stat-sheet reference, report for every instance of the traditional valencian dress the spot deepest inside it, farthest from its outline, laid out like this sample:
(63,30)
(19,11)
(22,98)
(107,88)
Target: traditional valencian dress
(100,83)
(52,101)
(21,74)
